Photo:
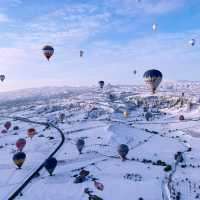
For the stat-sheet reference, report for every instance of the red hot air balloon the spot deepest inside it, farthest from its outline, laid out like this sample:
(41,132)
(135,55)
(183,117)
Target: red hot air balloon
(99,185)
(48,51)
(7,125)
(20,144)
(31,132)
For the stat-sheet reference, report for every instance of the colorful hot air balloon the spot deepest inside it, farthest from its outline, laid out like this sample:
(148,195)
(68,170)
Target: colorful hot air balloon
(31,132)
(61,117)
(101,84)
(8,125)
(192,42)
(81,53)
(19,159)
(99,185)
(50,164)
(80,143)
(153,79)
(123,151)
(48,51)
(20,144)
(2,77)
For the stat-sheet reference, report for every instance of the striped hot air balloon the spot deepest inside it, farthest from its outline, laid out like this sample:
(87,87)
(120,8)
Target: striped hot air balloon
(153,79)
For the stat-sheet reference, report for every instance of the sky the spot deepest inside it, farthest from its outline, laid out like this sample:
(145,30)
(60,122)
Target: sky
(116,36)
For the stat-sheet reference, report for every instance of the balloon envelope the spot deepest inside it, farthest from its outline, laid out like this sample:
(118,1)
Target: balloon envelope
(81,53)
(99,185)
(125,114)
(31,132)
(80,143)
(101,84)
(123,151)
(7,125)
(62,117)
(2,77)
(4,131)
(192,42)
(20,144)
(48,51)
(154,27)
(19,159)
(50,165)
(153,79)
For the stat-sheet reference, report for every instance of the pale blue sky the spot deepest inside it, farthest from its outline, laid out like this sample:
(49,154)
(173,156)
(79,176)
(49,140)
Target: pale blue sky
(116,36)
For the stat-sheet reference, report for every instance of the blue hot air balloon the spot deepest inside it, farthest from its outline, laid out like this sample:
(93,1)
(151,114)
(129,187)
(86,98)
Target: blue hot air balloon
(153,79)
(50,164)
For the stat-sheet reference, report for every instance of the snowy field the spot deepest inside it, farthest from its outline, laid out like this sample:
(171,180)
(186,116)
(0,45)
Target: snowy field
(152,171)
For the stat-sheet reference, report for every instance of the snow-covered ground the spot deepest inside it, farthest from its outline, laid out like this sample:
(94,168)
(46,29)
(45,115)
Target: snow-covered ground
(150,172)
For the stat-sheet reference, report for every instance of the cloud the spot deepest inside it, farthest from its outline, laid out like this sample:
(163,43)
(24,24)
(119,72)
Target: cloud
(3,18)
(145,7)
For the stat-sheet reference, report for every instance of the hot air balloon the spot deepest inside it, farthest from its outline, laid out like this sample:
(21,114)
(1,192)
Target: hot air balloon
(20,144)
(99,185)
(8,125)
(50,164)
(101,84)
(2,77)
(48,51)
(62,117)
(81,53)
(125,114)
(181,118)
(154,27)
(31,132)
(123,151)
(135,72)
(148,115)
(16,128)
(192,42)
(4,131)
(19,159)
(152,78)
(80,143)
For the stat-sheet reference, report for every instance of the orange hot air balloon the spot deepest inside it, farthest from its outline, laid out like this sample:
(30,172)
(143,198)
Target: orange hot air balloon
(31,132)
(48,51)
